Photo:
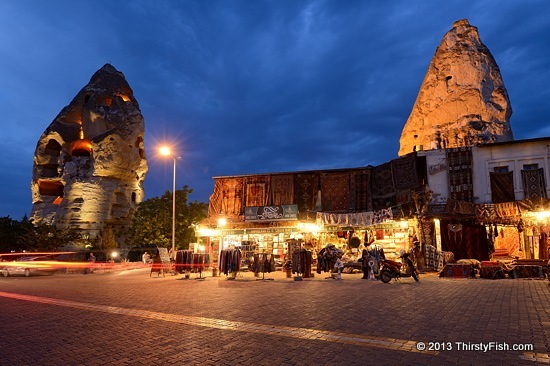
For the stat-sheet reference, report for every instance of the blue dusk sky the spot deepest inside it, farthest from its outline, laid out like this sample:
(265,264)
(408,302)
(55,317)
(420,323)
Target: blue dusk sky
(247,87)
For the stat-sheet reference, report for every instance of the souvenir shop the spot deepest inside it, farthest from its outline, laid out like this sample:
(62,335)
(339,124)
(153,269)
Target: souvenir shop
(237,246)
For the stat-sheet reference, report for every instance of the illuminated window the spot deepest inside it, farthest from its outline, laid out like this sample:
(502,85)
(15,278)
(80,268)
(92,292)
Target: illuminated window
(81,147)
(50,188)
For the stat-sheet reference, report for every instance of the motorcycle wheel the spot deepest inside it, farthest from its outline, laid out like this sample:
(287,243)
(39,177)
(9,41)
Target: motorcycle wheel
(415,276)
(385,276)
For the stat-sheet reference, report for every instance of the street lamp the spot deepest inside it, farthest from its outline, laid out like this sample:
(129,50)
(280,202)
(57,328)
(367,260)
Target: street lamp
(165,151)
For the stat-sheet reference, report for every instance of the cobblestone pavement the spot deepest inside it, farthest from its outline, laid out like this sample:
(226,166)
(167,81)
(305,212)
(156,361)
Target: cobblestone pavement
(132,318)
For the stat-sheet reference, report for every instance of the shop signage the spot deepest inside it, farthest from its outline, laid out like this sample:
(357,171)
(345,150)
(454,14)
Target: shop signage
(271,213)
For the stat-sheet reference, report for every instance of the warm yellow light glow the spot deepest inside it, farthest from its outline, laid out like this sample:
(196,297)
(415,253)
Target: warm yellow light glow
(201,248)
(309,228)
(403,224)
(207,232)
(542,215)
(165,150)
(222,221)
(124,97)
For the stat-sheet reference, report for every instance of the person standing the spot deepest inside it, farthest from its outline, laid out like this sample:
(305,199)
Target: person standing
(91,261)
(365,257)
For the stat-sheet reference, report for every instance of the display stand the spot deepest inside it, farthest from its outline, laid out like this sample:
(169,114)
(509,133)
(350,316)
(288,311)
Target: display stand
(326,260)
(200,275)
(263,262)
(230,263)
(301,264)
(187,262)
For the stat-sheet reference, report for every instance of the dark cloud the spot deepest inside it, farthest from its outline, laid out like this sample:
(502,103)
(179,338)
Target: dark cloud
(248,87)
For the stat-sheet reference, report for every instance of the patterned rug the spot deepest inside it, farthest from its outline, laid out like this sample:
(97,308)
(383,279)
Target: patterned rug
(227,197)
(282,190)
(534,185)
(383,187)
(306,190)
(502,187)
(363,201)
(335,191)
(460,173)
(256,190)
(404,172)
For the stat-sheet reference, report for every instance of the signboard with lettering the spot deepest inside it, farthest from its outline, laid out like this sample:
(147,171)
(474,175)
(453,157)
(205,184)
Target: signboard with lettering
(271,213)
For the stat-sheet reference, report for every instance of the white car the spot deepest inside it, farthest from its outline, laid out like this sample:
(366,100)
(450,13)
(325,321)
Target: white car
(27,266)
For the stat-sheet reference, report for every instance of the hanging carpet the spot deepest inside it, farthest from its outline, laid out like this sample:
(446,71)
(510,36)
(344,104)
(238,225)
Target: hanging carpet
(405,176)
(335,191)
(460,173)
(502,187)
(306,191)
(383,188)
(534,185)
(282,189)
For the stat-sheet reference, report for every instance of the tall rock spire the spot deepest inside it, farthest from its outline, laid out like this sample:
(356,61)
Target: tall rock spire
(462,100)
(90,164)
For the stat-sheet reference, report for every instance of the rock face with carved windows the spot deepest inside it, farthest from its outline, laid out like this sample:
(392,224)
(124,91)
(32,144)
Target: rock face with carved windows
(90,164)
(462,100)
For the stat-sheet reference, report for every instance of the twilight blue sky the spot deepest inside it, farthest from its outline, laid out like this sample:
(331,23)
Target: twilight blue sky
(245,87)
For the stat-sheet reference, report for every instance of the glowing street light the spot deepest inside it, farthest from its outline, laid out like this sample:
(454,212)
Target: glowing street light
(166,151)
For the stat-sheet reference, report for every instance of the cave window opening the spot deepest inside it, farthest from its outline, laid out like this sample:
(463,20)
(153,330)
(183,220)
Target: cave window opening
(50,188)
(134,197)
(81,148)
(50,171)
(53,148)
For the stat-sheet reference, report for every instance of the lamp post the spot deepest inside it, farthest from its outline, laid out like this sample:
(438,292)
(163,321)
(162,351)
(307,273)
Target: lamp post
(165,151)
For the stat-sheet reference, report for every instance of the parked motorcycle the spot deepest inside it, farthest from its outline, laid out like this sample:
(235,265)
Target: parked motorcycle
(392,269)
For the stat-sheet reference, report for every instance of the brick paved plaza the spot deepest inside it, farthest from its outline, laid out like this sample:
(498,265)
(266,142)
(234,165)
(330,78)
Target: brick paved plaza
(131,318)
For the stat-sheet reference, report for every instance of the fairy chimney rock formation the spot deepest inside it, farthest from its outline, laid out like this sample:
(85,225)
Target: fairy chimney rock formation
(462,100)
(90,164)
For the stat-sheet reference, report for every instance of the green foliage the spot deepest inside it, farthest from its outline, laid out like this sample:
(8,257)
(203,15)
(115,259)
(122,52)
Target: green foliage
(152,223)
(24,235)
(106,241)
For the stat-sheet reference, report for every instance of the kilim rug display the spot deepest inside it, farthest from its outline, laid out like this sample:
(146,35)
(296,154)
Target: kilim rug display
(306,186)
(534,185)
(508,240)
(502,187)
(335,191)
(383,188)
(404,172)
(460,174)
(360,192)
(256,190)
(227,197)
(282,190)
(466,240)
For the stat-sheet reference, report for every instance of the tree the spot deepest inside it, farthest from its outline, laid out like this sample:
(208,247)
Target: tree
(105,242)
(44,237)
(152,223)
(10,231)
